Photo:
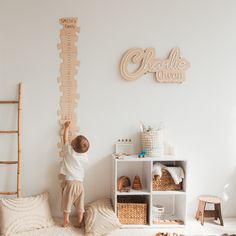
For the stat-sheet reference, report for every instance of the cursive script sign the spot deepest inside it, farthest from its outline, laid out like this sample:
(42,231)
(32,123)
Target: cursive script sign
(170,70)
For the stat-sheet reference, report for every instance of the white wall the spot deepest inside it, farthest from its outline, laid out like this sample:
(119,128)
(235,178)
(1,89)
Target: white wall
(199,115)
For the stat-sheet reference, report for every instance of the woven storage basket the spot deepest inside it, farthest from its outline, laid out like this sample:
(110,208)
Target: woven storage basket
(132,212)
(164,183)
(152,143)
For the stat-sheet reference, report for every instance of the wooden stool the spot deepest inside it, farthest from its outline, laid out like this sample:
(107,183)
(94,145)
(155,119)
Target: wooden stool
(201,212)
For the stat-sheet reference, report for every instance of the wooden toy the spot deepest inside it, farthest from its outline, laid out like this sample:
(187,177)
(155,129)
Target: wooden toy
(141,154)
(168,234)
(66,80)
(137,185)
(124,147)
(123,184)
(168,222)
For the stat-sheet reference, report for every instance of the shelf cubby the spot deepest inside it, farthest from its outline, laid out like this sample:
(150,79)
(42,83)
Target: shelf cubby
(174,202)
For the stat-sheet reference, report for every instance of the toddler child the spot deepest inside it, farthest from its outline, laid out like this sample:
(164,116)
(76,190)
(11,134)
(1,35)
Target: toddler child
(72,174)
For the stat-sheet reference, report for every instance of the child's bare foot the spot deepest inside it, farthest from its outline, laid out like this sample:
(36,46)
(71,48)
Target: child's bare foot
(66,219)
(78,226)
(66,224)
(80,220)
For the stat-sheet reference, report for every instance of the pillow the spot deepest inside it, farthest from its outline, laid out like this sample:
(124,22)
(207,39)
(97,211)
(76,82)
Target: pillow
(24,214)
(100,218)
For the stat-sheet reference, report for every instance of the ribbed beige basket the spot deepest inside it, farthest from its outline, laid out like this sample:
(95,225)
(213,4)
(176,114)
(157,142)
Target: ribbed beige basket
(132,213)
(152,143)
(164,183)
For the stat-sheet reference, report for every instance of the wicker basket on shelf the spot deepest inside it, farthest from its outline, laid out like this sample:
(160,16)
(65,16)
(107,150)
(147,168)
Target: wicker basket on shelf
(165,183)
(132,211)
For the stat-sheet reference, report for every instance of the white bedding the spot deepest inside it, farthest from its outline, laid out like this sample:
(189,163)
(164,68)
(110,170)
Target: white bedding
(56,230)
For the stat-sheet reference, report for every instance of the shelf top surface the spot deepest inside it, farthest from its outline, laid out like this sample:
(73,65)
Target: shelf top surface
(135,192)
(146,192)
(179,192)
(136,158)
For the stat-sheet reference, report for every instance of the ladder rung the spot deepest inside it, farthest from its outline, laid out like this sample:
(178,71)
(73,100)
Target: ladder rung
(8,193)
(8,162)
(9,102)
(18,132)
(8,132)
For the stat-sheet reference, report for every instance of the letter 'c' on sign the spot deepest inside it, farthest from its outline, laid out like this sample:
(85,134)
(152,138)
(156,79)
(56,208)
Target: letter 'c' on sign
(170,70)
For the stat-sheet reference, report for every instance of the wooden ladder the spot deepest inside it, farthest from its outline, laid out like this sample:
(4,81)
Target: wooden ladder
(18,132)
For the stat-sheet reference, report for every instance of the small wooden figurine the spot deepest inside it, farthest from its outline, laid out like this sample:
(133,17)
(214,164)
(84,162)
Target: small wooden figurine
(124,184)
(137,185)
(168,234)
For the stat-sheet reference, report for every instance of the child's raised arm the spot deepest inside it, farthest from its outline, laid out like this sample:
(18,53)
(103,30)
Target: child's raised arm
(66,131)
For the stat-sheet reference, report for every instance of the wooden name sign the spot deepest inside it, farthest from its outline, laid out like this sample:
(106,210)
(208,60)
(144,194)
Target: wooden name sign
(67,81)
(170,70)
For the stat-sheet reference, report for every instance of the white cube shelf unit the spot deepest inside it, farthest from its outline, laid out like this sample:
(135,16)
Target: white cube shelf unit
(174,202)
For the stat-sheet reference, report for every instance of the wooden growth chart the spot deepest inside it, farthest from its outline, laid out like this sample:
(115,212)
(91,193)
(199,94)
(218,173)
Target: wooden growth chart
(66,80)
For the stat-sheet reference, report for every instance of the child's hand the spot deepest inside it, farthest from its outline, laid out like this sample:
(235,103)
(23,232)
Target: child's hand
(67,124)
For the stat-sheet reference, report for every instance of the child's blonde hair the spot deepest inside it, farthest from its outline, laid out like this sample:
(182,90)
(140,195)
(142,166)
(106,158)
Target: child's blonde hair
(80,144)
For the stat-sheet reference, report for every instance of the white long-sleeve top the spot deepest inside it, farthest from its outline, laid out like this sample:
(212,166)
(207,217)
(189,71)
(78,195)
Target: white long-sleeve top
(73,164)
